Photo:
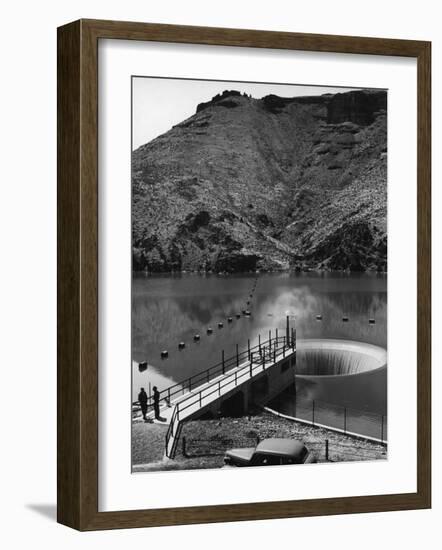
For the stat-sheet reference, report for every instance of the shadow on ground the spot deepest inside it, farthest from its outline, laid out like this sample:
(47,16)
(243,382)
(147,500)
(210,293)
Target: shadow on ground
(48,511)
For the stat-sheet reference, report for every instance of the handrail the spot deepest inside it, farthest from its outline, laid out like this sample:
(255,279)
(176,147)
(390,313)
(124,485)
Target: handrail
(206,375)
(246,369)
(345,413)
(227,380)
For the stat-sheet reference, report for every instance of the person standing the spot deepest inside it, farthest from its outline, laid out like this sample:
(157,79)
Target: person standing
(156,402)
(142,399)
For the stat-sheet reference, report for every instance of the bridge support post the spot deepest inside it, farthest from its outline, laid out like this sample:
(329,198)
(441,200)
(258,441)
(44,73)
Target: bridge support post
(246,399)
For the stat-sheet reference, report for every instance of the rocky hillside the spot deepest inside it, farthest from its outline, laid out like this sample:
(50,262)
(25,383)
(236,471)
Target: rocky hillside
(272,183)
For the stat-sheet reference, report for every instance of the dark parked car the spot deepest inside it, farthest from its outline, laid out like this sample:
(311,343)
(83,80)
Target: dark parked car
(270,452)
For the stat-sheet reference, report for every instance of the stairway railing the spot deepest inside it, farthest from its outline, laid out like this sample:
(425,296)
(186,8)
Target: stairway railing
(262,356)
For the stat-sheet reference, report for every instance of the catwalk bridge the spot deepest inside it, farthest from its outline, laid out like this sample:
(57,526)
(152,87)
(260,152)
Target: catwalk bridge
(253,376)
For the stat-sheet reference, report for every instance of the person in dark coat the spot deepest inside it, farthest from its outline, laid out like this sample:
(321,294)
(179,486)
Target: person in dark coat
(142,399)
(156,402)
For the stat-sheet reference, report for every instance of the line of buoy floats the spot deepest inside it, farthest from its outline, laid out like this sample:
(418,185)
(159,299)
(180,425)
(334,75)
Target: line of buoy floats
(246,313)
(209,331)
(346,319)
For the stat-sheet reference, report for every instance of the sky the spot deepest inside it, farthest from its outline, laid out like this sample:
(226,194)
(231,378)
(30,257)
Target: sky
(160,103)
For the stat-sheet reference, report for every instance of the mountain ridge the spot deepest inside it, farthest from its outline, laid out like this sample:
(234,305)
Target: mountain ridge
(272,183)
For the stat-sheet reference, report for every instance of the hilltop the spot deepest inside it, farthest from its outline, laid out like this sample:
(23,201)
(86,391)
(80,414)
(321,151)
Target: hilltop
(271,183)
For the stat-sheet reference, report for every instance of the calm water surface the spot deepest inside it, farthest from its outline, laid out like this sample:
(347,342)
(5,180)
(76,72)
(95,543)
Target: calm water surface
(169,309)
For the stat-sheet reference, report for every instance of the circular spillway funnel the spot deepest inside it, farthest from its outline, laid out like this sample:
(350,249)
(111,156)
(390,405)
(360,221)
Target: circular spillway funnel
(330,358)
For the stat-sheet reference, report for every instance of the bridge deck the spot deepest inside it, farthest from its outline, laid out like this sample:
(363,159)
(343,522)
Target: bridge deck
(167,411)
(188,405)
(205,394)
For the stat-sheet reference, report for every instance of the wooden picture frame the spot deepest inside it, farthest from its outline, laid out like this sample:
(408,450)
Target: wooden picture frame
(78,274)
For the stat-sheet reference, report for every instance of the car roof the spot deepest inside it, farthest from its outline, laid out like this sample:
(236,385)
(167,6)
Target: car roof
(280,446)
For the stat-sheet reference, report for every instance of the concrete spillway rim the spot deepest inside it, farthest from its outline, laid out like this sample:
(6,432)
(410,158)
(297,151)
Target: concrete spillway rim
(334,344)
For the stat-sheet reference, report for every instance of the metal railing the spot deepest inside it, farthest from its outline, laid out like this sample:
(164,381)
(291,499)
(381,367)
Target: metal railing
(323,450)
(205,376)
(347,420)
(258,359)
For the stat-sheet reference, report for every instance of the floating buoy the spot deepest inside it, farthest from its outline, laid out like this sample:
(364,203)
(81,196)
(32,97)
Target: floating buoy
(196,337)
(209,330)
(220,325)
(164,354)
(319,317)
(269,314)
(345,319)
(181,345)
(229,320)
(142,366)
(371,321)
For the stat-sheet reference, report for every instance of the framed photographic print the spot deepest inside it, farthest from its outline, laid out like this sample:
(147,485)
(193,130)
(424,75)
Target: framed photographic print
(243,274)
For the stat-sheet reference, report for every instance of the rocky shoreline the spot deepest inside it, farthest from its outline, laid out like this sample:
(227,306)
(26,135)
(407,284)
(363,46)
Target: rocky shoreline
(203,442)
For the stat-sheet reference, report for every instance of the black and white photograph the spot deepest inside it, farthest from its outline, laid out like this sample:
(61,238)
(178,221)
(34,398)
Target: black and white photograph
(218,275)
(259,274)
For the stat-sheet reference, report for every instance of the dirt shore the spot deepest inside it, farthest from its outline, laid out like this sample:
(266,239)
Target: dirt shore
(203,442)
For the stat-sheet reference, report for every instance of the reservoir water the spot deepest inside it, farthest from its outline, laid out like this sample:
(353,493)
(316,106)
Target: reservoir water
(169,309)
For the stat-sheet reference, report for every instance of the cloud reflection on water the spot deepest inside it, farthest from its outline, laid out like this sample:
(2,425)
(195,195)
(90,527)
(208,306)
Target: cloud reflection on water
(168,310)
